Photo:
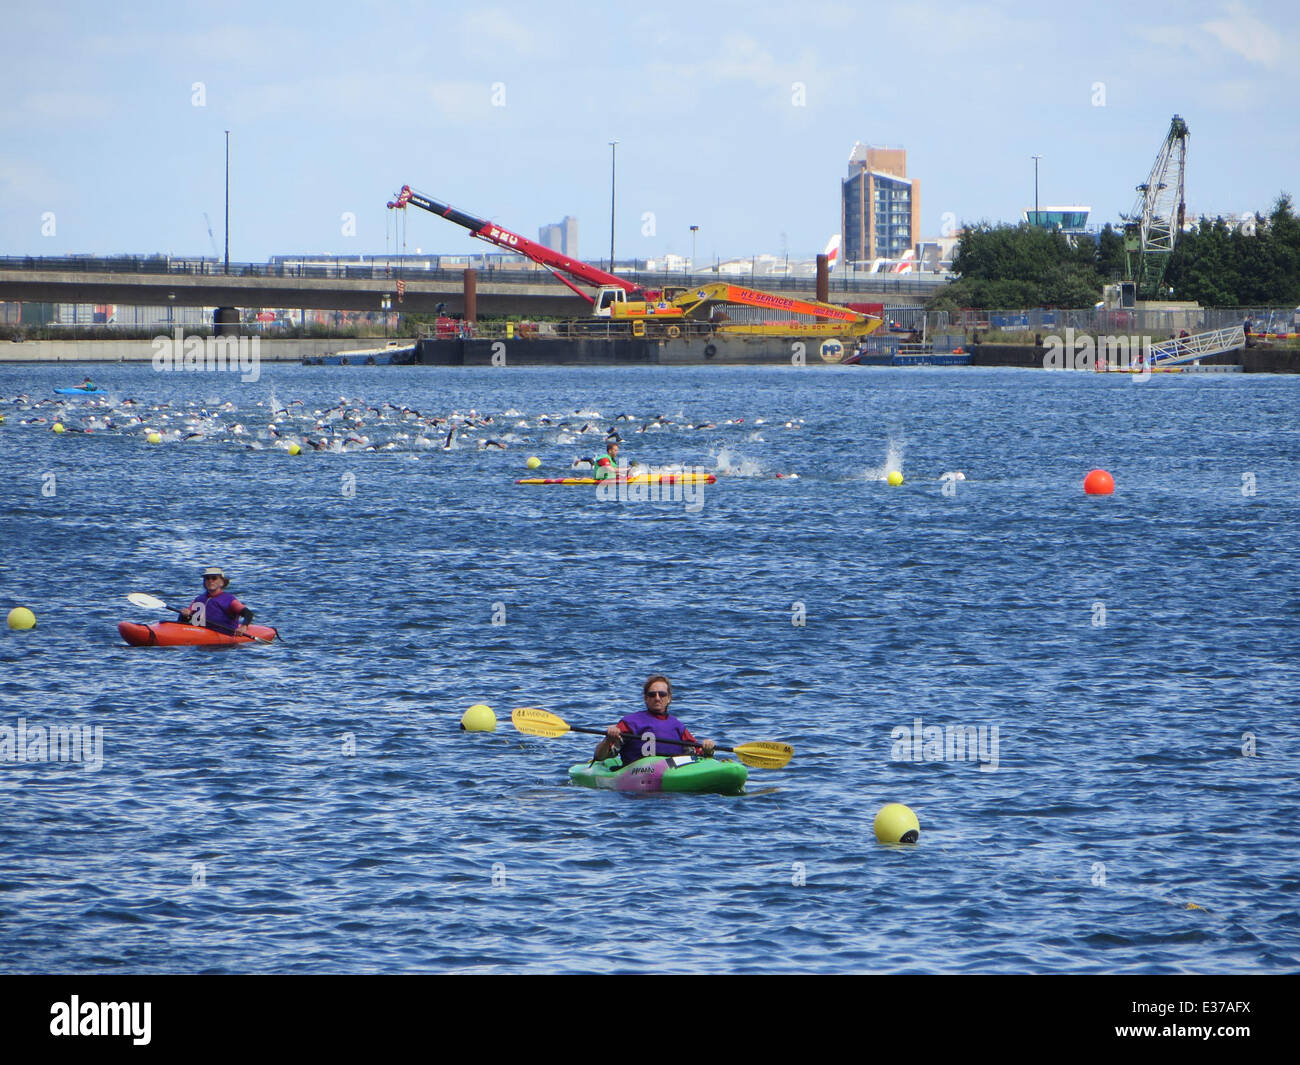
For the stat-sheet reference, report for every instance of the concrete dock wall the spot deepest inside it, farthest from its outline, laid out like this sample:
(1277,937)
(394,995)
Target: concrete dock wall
(143,350)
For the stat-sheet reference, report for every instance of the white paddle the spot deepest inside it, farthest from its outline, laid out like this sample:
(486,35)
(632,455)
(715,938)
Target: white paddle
(149,602)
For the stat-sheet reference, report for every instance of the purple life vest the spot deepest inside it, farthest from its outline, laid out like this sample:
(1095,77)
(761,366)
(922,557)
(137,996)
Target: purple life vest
(665,730)
(217,612)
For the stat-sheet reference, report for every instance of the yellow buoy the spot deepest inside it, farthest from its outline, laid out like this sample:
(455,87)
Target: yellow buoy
(895,478)
(58,427)
(294,449)
(897,824)
(533,462)
(21,618)
(154,438)
(479,718)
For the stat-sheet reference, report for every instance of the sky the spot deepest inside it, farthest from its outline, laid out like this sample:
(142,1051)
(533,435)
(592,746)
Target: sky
(734,117)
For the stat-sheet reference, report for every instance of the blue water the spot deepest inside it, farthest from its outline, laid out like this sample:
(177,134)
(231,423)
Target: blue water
(1124,647)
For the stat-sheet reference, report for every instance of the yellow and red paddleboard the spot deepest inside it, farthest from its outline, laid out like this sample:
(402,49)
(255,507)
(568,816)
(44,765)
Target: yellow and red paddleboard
(1139,370)
(642,478)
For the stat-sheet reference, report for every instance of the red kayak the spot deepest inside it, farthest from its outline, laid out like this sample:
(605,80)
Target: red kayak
(180,634)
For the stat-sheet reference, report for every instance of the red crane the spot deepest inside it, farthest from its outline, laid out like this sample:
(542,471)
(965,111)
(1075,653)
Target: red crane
(504,238)
(715,307)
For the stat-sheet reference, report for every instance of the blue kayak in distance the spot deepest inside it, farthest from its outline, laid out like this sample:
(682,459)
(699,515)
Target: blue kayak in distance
(81,391)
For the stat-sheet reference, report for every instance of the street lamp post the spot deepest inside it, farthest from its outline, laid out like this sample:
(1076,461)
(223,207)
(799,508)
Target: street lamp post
(613,157)
(1036,218)
(694,230)
(227,201)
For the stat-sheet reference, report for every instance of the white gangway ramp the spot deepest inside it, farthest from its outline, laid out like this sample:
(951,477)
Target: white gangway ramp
(1198,346)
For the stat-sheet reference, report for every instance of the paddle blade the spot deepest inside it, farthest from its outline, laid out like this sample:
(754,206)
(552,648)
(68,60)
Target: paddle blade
(764,754)
(146,602)
(535,722)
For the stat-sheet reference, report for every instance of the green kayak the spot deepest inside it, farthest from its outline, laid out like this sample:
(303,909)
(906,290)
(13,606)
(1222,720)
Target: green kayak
(685,773)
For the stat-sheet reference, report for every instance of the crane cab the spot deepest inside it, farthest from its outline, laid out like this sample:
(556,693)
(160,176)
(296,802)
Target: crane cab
(606,298)
(613,302)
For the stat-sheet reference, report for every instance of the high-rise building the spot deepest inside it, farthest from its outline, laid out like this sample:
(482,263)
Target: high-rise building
(561,236)
(880,205)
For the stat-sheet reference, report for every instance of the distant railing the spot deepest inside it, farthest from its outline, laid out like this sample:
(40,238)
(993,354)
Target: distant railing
(1159,323)
(382,268)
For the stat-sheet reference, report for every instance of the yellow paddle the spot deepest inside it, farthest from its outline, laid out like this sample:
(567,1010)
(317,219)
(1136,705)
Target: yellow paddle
(762,754)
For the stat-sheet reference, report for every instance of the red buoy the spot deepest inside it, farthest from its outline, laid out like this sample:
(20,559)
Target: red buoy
(1098,483)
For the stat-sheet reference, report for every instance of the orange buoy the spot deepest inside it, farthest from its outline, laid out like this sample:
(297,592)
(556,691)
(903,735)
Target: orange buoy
(1098,483)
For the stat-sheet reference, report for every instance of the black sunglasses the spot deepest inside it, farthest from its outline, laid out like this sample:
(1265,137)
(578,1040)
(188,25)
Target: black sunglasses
(656,695)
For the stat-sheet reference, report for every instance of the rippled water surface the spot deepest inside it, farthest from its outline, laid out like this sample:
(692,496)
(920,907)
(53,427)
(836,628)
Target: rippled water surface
(1137,655)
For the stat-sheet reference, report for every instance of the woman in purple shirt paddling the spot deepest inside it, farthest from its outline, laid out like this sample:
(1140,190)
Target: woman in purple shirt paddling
(652,731)
(217,608)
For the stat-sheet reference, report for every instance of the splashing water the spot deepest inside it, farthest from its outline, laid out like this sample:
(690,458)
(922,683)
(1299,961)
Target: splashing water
(893,461)
(733,464)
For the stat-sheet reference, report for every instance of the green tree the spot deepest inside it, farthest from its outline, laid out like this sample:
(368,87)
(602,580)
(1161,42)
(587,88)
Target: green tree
(1023,266)
(1218,264)
(1283,251)
(1110,253)
(1231,264)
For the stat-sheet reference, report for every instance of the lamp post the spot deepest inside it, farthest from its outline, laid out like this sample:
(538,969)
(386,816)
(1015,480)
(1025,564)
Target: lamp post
(1036,158)
(227,201)
(613,157)
(694,230)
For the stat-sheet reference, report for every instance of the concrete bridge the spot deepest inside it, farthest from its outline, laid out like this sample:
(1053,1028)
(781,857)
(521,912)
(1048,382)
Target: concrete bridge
(158,282)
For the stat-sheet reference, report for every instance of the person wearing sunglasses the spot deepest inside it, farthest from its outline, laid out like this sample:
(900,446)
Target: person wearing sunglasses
(217,608)
(652,731)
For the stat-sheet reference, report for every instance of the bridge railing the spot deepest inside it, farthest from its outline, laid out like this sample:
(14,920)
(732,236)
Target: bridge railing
(392,269)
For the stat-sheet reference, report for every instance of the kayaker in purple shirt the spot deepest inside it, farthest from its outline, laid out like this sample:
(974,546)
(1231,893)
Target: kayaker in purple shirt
(217,608)
(652,730)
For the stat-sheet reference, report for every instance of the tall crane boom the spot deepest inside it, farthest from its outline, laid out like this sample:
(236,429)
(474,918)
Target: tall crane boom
(1152,227)
(556,263)
(672,311)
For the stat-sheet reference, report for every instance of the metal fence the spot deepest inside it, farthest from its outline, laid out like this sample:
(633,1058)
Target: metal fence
(1104,320)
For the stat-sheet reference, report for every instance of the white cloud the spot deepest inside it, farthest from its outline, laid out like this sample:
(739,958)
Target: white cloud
(1241,32)
(1237,33)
